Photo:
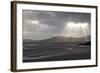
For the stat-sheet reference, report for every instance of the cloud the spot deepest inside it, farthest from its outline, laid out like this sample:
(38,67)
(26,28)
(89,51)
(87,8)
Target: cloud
(39,25)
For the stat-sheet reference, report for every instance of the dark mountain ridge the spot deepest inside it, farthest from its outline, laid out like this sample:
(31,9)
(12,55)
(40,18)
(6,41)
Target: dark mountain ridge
(59,39)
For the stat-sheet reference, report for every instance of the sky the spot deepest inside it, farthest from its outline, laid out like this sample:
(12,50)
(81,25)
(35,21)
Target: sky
(39,25)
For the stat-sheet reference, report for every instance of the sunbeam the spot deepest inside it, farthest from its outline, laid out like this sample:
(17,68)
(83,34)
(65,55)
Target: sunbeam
(76,30)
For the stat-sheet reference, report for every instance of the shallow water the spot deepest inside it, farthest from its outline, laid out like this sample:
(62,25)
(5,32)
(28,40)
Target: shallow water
(55,52)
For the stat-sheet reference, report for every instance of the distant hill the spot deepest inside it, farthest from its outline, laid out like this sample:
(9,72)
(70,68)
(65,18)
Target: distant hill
(59,39)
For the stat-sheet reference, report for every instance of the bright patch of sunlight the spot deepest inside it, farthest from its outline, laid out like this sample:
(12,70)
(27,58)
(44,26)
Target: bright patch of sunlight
(76,29)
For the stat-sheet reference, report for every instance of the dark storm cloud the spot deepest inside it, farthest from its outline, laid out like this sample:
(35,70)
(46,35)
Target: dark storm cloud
(49,23)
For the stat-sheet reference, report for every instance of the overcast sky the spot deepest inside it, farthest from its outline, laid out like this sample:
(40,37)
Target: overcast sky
(38,25)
